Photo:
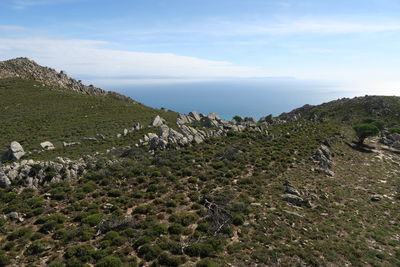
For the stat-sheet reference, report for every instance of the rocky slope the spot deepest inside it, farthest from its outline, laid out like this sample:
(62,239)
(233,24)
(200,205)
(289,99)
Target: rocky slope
(28,69)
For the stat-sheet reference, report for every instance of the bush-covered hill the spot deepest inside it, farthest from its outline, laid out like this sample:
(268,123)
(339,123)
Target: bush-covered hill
(31,113)
(297,193)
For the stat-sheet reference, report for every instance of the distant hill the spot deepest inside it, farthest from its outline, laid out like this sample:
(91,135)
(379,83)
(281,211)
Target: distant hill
(28,69)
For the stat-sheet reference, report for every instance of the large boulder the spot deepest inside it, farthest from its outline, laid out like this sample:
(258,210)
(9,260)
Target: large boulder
(15,151)
(195,115)
(157,122)
(183,119)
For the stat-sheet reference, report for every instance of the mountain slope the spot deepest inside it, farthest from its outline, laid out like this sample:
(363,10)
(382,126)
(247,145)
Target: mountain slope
(31,113)
(288,191)
(27,69)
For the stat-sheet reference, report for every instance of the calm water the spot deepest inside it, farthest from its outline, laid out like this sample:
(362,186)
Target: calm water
(251,98)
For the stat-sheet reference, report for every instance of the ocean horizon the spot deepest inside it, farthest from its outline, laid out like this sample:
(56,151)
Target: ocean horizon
(247,99)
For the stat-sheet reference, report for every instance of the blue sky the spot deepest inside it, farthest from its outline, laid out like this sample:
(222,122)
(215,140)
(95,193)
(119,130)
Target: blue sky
(352,44)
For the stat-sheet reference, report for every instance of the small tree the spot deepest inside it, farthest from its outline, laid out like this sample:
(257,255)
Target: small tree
(364,130)
(237,118)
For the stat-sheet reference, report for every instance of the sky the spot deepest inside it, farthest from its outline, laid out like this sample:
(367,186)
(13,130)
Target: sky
(353,45)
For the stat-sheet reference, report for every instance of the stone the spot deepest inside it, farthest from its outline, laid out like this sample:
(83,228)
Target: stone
(376,198)
(195,115)
(183,119)
(290,189)
(16,216)
(15,151)
(293,199)
(213,116)
(164,132)
(125,132)
(65,144)
(4,180)
(47,145)
(157,122)
(100,137)
(88,139)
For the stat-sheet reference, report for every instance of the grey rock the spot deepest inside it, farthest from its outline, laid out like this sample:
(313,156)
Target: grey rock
(65,144)
(376,198)
(164,132)
(89,139)
(157,122)
(16,216)
(195,115)
(293,199)
(47,145)
(15,151)
(100,137)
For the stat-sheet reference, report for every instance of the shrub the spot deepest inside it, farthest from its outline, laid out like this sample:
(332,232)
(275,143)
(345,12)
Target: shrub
(168,260)
(206,263)
(114,193)
(364,130)
(4,260)
(38,246)
(149,252)
(175,229)
(200,250)
(109,261)
(92,220)
(238,219)
(114,238)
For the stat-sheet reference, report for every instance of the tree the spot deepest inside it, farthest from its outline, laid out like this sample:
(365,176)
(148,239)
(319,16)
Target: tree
(364,130)
(237,118)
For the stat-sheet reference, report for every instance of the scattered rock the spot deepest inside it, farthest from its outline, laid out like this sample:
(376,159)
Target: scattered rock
(100,137)
(293,213)
(65,144)
(290,189)
(293,199)
(376,198)
(47,146)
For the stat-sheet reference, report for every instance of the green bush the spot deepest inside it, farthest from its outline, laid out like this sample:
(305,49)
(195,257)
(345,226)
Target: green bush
(167,260)
(4,259)
(110,261)
(364,130)
(175,229)
(206,263)
(93,219)
(37,247)
(149,252)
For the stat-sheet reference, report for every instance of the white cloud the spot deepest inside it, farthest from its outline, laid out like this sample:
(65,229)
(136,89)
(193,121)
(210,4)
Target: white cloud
(86,58)
(314,27)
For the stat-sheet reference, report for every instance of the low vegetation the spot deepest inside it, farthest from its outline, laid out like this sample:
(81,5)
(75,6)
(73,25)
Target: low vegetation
(212,204)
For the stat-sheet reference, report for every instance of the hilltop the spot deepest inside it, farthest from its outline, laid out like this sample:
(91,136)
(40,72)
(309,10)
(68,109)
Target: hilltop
(28,69)
(106,182)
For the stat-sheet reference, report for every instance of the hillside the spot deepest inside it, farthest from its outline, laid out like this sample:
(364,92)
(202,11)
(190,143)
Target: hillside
(193,189)
(28,69)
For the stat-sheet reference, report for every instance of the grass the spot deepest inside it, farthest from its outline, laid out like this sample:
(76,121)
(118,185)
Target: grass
(32,113)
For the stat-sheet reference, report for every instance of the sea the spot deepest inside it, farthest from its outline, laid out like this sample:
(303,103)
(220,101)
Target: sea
(254,98)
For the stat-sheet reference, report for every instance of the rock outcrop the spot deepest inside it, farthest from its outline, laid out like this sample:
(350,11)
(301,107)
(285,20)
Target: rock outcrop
(323,157)
(28,69)
(390,139)
(37,173)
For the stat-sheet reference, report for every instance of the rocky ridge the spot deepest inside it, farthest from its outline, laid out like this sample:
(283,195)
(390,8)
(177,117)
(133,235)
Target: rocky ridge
(28,69)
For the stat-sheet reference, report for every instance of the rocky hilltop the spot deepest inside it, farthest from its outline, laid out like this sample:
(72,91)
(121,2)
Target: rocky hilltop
(28,69)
